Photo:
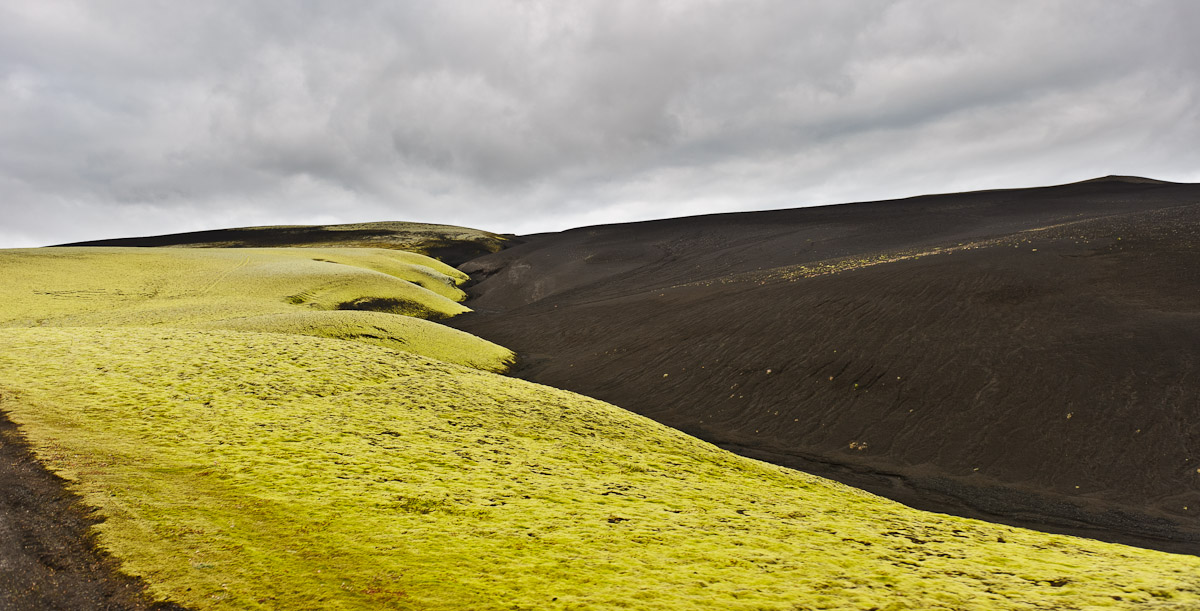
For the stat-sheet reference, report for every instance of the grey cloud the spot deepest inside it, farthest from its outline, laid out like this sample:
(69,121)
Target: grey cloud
(139,117)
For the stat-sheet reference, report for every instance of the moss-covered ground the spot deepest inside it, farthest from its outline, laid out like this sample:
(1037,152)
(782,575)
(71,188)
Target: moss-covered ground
(239,469)
(342,293)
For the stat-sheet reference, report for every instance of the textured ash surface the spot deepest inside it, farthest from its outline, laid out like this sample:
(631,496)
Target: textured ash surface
(1048,376)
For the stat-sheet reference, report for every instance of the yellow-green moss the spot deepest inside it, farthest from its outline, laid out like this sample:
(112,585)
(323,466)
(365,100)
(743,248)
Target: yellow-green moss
(246,455)
(246,470)
(398,332)
(311,291)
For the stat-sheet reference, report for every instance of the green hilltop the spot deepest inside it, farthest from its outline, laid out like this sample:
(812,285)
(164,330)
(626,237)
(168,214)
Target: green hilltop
(279,429)
(449,243)
(341,293)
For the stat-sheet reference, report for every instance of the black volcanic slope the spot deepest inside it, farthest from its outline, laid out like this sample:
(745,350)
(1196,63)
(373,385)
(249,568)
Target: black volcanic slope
(1025,356)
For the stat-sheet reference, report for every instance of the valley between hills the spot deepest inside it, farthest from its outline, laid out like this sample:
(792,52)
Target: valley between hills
(965,401)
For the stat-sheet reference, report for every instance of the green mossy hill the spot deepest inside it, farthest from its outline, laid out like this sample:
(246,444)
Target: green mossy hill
(244,470)
(449,243)
(345,293)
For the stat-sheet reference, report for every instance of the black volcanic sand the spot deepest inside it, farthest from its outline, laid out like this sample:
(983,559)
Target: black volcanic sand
(1041,370)
(48,558)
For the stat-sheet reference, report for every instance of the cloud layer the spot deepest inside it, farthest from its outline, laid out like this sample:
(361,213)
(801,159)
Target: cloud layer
(136,117)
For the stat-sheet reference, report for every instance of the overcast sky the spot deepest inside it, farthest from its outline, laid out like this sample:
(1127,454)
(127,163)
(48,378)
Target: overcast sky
(144,117)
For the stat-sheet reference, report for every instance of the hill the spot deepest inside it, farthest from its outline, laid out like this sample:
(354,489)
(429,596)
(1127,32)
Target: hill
(346,293)
(245,442)
(1027,356)
(249,470)
(448,243)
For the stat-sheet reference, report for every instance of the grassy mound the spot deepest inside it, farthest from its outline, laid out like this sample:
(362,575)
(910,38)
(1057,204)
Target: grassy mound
(397,332)
(254,470)
(344,293)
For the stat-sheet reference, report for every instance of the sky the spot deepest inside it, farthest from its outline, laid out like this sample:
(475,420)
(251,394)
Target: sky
(128,118)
